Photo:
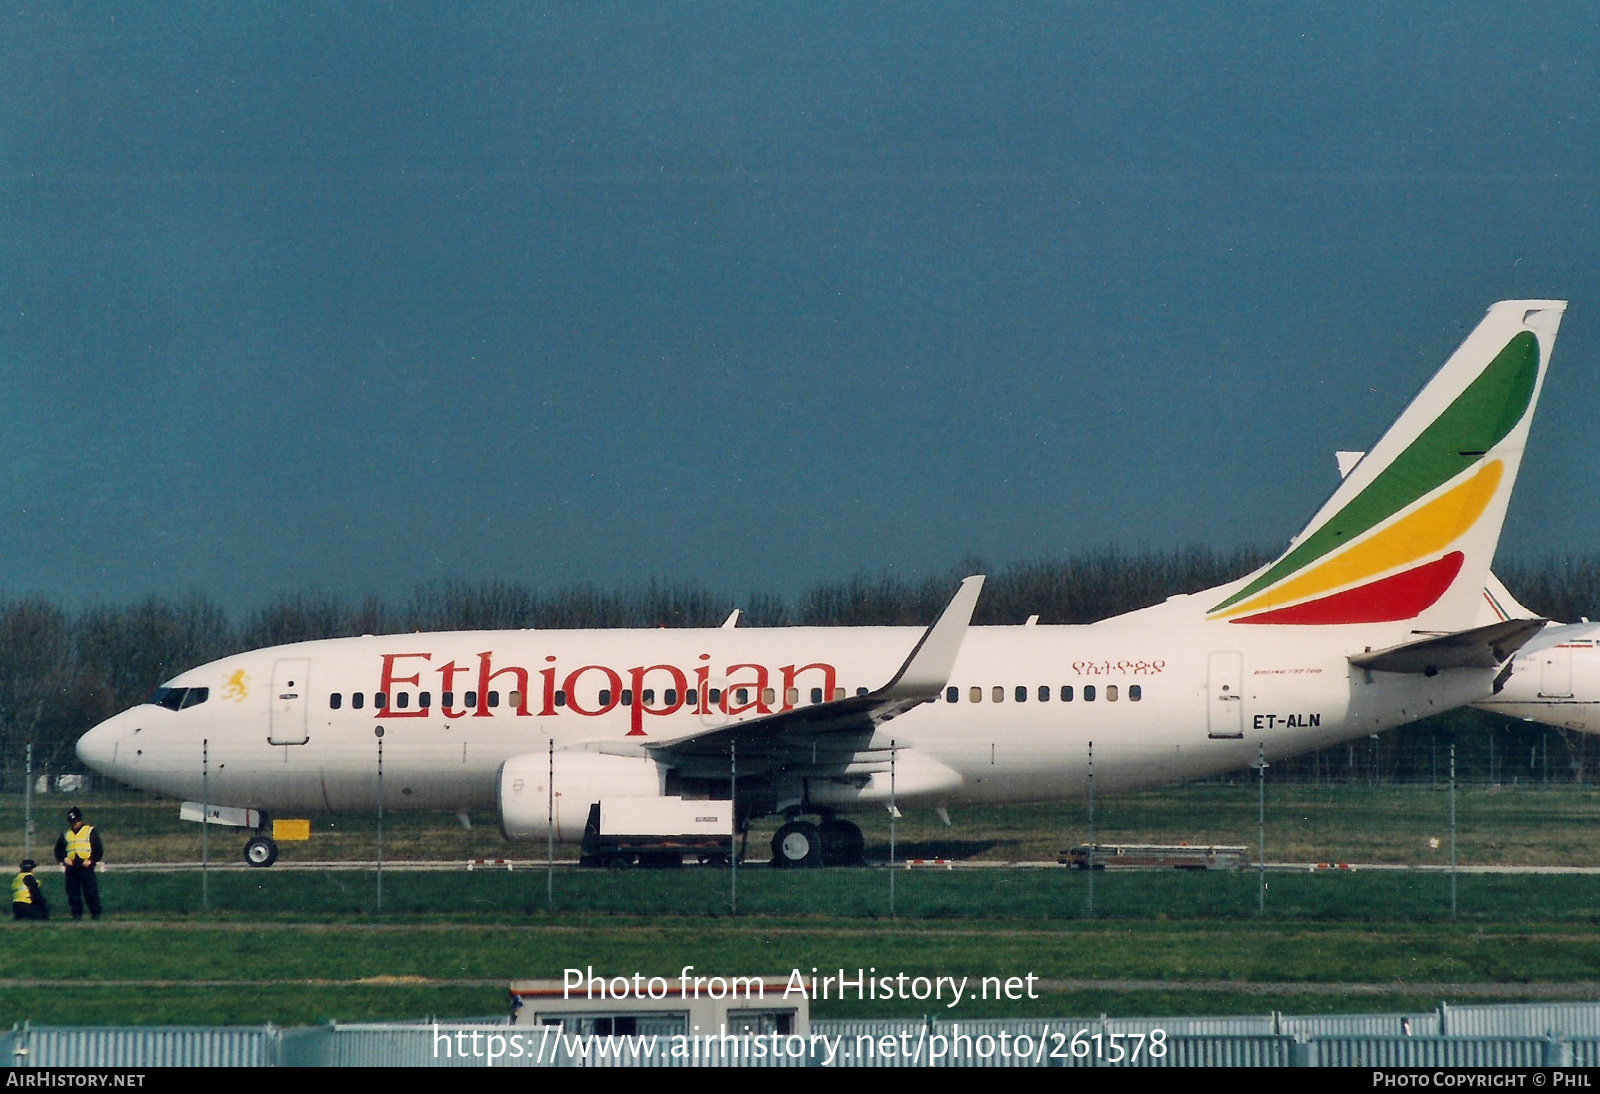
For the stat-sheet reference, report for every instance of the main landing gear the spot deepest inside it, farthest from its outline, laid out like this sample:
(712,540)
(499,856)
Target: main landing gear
(833,842)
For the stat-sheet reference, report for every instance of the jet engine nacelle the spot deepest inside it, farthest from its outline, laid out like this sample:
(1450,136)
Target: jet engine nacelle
(581,779)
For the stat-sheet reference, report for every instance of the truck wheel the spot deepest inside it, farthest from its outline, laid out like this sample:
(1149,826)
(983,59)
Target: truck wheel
(842,843)
(261,851)
(797,843)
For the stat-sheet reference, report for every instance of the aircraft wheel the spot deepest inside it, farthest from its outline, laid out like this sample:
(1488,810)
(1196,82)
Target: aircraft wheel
(261,851)
(797,843)
(842,843)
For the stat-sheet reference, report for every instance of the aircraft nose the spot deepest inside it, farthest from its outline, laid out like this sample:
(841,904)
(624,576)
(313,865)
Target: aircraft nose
(98,747)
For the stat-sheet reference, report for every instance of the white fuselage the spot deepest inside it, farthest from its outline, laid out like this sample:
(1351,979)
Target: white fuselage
(280,730)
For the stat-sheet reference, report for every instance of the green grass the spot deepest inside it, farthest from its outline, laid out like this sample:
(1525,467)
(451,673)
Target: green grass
(234,970)
(1024,894)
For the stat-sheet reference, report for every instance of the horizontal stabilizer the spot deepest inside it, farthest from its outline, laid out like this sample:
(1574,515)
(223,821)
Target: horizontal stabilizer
(1478,648)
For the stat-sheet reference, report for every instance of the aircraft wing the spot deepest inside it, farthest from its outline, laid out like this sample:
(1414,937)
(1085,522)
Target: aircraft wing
(1480,648)
(826,736)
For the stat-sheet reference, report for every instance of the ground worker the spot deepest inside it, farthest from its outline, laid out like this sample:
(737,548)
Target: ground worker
(77,850)
(27,900)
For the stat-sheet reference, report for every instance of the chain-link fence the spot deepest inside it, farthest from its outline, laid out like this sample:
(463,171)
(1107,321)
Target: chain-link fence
(1376,830)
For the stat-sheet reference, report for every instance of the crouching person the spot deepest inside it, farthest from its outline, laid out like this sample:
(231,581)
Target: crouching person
(27,899)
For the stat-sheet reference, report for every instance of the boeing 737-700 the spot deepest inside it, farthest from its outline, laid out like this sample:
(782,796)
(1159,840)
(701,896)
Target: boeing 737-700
(1367,620)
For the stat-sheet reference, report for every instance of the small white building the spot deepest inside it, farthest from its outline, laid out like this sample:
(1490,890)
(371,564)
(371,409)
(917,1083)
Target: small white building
(689,1005)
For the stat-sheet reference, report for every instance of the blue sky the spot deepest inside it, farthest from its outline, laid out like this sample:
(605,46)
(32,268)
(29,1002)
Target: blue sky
(363,296)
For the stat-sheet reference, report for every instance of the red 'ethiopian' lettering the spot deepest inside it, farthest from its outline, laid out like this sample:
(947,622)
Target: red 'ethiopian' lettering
(448,688)
(387,682)
(485,678)
(759,687)
(613,688)
(679,682)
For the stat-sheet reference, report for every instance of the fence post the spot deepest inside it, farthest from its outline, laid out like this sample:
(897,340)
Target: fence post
(894,812)
(1090,859)
(378,732)
(205,824)
(1452,836)
(1261,830)
(27,806)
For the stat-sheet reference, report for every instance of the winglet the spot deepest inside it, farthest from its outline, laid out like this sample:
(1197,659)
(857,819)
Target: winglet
(927,670)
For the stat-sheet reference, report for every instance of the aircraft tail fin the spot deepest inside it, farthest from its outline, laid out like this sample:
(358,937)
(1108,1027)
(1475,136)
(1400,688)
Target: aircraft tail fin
(1410,532)
(1499,605)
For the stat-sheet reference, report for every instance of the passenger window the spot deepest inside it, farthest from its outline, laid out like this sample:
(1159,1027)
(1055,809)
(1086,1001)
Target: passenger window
(671,697)
(999,694)
(446,698)
(358,699)
(561,698)
(605,697)
(1044,693)
(627,697)
(768,696)
(1088,693)
(743,696)
(952,695)
(380,700)
(335,701)
(1066,693)
(403,700)
(647,697)
(716,695)
(1111,693)
(861,691)
(472,698)
(515,699)
(975,695)
(1135,693)
(195,697)
(494,698)
(424,699)
(838,693)
(791,696)
(816,695)
(1022,694)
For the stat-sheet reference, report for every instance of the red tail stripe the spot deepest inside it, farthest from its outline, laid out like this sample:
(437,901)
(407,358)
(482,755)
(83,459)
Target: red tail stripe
(1401,596)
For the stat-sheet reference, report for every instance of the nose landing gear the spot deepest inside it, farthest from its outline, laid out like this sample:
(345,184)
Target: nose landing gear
(261,851)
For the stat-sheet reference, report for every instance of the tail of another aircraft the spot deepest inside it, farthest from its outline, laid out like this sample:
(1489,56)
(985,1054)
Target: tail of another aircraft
(1411,531)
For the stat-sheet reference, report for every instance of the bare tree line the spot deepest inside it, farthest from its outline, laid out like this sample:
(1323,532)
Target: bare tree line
(62,671)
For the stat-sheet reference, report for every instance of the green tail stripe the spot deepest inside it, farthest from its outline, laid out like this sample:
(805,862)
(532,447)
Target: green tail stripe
(1479,419)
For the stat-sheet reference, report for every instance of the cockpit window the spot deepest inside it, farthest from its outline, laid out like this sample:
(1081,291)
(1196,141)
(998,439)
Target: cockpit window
(171,698)
(179,698)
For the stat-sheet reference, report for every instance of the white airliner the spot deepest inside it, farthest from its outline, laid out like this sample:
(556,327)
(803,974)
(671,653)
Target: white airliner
(1555,677)
(1366,621)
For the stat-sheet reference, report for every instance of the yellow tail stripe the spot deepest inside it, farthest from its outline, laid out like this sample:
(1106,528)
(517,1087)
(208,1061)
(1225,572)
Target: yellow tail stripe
(1431,528)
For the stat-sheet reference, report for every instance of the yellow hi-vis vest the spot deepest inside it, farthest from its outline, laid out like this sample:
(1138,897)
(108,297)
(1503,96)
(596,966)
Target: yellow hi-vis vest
(78,845)
(19,890)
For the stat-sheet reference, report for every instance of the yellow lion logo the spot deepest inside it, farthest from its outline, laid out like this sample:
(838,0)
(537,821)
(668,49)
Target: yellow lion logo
(238,687)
